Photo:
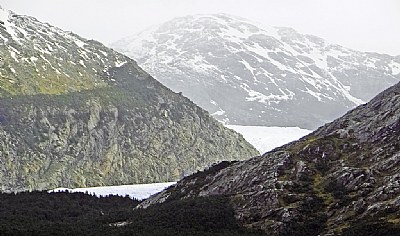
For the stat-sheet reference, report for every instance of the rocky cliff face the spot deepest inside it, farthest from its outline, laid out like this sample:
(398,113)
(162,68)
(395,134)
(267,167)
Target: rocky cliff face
(336,180)
(74,113)
(249,74)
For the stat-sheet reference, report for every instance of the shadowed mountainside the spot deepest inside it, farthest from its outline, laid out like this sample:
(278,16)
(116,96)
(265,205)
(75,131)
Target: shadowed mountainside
(342,178)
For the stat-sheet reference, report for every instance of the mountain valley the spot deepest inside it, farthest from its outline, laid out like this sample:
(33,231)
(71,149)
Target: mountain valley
(79,119)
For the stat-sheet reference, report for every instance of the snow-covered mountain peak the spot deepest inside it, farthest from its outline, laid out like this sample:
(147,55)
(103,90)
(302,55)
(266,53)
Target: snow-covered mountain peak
(30,45)
(244,27)
(269,72)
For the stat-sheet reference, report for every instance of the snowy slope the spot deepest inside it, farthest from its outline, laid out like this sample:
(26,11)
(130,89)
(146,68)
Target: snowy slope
(265,139)
(36,57)
(138,191)
(249,74)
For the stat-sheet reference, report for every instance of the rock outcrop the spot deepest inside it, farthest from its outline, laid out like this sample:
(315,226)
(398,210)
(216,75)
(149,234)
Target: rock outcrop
(75,113)
(335,180)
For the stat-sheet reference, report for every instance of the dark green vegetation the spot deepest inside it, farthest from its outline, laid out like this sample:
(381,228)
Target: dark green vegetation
(41,213)
(59,213)
(372,227)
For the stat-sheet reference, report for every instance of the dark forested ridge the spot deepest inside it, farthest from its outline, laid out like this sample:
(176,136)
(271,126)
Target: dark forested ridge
(42,213)
(63,213)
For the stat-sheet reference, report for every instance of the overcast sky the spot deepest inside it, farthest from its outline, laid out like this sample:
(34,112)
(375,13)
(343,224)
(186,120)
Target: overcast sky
(366,25)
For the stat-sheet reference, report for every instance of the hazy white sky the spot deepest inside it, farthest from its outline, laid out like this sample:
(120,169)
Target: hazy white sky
(366,25)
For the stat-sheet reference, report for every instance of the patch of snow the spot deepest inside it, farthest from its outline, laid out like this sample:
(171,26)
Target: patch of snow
(336,54)
(257,49)
(395,67)
(4,39)
(290,49)
(236,34)
(319,59)
(79,43)
(22,30)
(104,53)
(238,78)
(353,99)
(138,191)
(82,63)
(265,138)
(119,64)
(260,97)
(200,65)
(314,94)
(248,67)
(281,66)
(84,55)
(4,14)
(347,87)
(14,56)
(224,79)
(98,56)
(51,49)
(10,28)
(220,112)
(370,64)
(12,70)
(48,62)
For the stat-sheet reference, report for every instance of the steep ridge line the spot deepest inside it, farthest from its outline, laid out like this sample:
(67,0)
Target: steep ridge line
(339,179)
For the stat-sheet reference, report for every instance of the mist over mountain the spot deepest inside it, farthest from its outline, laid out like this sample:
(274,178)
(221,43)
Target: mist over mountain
(74,113)
(249,74)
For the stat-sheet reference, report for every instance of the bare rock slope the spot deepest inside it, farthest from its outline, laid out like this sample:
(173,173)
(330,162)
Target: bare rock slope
(343,177)
(75,113)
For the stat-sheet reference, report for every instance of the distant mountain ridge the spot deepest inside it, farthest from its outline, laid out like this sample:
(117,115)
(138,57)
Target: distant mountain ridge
(75,113)
(249,74)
